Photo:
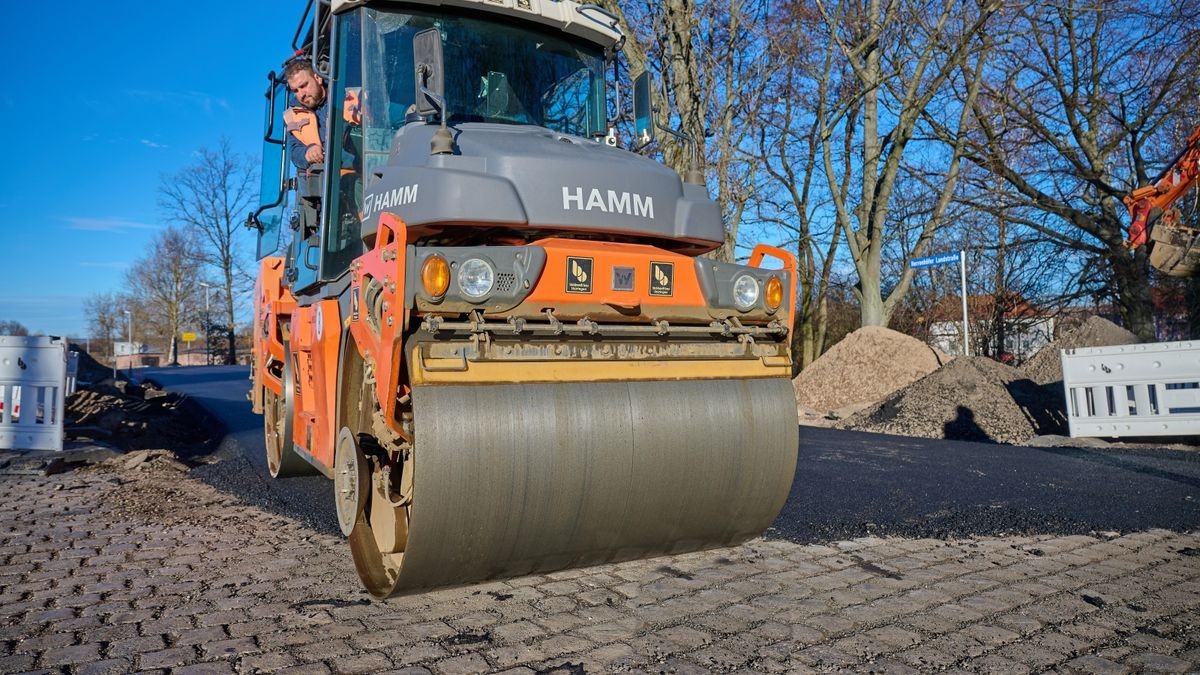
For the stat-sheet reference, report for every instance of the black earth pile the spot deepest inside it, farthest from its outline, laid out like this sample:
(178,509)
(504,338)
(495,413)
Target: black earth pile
(1046,366)
(136,417)
(970,399)
(90,371)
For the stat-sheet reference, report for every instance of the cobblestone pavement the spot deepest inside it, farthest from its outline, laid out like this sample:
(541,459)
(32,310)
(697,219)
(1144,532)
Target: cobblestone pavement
(107,570)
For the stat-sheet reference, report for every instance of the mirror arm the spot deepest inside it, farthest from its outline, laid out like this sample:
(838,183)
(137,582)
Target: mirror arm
(693,175)
(443,140)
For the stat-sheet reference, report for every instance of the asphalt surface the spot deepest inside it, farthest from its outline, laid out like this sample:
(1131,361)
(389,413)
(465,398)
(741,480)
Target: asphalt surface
(848,484)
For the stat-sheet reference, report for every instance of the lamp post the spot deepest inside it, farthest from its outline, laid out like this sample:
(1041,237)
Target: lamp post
(207,324)
(129,324)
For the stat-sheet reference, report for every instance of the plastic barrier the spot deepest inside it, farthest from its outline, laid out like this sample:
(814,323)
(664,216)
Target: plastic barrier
(1133,390)
(32,392)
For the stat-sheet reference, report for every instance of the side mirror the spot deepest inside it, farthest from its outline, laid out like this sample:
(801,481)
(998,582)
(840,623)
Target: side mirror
(643,108)
(430,75)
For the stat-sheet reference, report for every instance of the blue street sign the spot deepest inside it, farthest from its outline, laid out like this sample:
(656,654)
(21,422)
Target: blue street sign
(935,260)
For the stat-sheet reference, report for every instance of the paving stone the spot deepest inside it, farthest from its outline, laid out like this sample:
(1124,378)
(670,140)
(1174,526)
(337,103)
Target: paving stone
(1094,664)
(167,658)
(1159,663)
(462,665)
(228,648)
(105,667)
(369,662)
(207,668)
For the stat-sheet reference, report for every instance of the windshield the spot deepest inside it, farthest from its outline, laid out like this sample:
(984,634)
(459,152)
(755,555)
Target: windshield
(495,72)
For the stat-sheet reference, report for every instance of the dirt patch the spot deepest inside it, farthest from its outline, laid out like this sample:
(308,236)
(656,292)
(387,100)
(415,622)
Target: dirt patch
(135,417)
(865,367)
(90,371)
(971,399)
(1045,367)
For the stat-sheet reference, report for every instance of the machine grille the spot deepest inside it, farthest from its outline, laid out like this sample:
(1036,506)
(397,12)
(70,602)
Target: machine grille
(506,282)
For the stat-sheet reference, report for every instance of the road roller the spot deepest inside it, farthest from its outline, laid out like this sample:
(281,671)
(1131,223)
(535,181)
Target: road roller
(489,321)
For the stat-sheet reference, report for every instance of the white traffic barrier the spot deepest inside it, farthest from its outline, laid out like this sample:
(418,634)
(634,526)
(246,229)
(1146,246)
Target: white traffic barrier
(32,392)
(1133,390)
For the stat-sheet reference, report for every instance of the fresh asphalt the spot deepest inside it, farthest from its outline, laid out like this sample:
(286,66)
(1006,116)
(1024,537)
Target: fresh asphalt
(848,484)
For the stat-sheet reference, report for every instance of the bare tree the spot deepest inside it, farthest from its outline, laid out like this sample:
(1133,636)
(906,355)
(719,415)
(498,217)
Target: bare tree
(786,196)
(163,284)
(12,328)
(104,317)
(211,198)
(1077,112)
(712,61)
(887,63)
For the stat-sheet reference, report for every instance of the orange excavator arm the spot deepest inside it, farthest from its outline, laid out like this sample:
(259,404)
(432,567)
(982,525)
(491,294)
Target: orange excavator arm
(1171,184)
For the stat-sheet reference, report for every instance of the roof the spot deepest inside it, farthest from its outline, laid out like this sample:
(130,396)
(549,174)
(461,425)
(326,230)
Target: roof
(586,21)
(980,307)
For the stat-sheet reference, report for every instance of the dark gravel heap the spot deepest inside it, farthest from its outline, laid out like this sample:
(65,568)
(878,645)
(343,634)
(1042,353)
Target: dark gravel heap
(90,370)
(970,399)
(134,417)
(1046,366)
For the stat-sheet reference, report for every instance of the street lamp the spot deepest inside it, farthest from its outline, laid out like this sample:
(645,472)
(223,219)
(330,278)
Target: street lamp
(129,318)
(207,324)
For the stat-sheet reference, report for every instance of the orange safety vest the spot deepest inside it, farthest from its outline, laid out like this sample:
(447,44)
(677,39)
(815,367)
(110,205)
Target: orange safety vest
(302,124)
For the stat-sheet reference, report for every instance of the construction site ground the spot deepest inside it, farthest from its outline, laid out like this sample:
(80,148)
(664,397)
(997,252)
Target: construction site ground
(115,570)
(887,558)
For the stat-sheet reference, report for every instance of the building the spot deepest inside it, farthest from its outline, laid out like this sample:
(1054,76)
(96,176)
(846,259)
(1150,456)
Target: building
(1020,325)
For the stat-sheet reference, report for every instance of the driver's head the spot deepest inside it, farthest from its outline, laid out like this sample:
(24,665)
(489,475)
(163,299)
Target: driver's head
(306,85)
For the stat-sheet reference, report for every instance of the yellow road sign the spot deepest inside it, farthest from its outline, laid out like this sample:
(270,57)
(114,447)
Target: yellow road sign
(189,337)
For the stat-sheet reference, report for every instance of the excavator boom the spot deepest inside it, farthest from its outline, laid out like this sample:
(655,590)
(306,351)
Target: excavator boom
(1156,222)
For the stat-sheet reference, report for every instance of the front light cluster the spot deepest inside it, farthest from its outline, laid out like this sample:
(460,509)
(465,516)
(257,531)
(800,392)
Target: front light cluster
(745,292)
(748,289)
(476,277)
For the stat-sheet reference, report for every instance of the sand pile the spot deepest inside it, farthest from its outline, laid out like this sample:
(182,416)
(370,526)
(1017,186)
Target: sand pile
(864,367)
(972,399)
(1046,366)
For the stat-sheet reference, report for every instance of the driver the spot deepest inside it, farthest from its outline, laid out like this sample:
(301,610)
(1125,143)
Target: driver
(306,121)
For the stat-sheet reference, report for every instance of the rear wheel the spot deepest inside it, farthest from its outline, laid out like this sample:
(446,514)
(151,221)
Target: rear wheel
(282,460)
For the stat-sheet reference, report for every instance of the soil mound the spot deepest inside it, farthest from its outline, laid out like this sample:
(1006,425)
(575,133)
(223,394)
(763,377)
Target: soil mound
(864,367)
(89,370)
(1046,366)
(970,399)
(134,417)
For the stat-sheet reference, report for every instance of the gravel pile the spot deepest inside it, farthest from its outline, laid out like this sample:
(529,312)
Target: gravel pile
(1046,366)
(865,367)
(970,399)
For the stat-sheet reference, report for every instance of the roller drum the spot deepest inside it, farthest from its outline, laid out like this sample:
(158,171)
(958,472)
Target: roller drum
(514,479)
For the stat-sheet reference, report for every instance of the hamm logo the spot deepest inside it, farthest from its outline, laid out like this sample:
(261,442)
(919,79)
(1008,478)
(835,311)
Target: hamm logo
(610,201)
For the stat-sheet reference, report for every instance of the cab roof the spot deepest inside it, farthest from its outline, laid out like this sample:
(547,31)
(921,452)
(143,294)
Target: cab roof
(585,21)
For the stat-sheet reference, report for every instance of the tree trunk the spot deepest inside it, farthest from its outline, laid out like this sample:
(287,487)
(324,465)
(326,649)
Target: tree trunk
(1132,277)
(870,301)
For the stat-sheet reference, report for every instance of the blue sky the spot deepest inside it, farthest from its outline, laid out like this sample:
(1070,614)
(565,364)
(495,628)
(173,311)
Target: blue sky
(103,98)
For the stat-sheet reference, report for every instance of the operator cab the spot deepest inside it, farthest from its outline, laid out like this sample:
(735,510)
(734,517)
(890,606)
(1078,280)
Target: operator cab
(498,71)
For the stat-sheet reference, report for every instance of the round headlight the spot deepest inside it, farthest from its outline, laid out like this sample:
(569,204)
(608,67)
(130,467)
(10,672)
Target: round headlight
(773,293)
(475,278)
(745,292)
(435,276)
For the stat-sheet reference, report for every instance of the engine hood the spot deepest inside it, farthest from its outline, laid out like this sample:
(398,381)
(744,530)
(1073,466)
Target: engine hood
(531,177)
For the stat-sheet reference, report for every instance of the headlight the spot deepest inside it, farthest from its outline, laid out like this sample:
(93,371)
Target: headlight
(435,276)
(745,292)
(774,293)
(475,278)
